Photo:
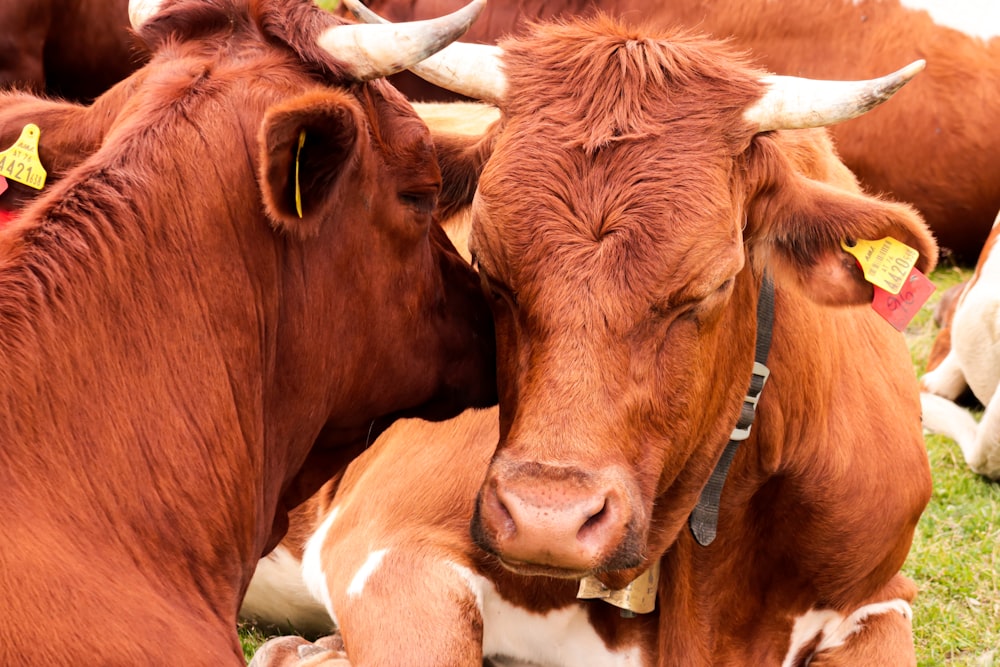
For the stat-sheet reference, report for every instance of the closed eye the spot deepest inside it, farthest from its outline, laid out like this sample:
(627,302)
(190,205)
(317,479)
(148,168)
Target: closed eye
(495,290)
(420,201)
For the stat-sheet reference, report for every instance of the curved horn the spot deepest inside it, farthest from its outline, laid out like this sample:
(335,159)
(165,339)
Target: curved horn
(472,70)
(373,51)
(140,11)
(793,103)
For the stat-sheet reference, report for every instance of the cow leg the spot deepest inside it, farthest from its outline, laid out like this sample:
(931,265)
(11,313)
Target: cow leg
(983,455)
(414,608)
(940,415)
(946,379)
(297,652)
(877,635)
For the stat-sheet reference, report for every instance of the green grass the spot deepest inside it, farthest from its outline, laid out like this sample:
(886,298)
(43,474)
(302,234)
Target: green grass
(955,559)
(956,551)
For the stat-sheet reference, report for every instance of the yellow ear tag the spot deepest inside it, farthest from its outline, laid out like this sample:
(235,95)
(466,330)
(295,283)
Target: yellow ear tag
(20,162)
(298,192)
(886,263)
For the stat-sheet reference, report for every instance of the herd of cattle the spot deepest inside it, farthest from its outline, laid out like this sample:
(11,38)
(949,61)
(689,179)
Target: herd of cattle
(636,410)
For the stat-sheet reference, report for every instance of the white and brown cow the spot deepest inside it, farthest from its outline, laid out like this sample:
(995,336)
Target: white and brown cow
(970,338)
(637,192)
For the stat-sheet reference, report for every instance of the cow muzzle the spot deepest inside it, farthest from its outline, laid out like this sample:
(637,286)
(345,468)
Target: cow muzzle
(559,520)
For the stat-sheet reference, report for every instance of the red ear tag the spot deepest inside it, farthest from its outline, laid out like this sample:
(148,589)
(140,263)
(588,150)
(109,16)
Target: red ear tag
(899,309)
(3,185)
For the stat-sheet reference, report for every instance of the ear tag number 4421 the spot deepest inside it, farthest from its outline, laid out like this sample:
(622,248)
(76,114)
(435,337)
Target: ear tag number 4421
(20,162)
(900,289)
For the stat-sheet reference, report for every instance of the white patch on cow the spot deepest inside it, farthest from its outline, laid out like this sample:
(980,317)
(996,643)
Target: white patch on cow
(367,569)
(278,596)
(475,583)
(940,415)
(312,564)
(833,629)
(516,637)
(974,359)
(976,18)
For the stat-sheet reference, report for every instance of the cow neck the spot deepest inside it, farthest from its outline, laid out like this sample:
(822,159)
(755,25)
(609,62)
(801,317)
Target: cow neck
(705,515)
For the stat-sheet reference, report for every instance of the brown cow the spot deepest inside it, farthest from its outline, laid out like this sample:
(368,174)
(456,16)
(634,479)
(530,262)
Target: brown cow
(639,191)
(241,280)
(936,149)
(75,49)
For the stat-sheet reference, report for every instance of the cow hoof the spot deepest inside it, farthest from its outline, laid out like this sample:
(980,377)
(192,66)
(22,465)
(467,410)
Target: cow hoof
(297,652)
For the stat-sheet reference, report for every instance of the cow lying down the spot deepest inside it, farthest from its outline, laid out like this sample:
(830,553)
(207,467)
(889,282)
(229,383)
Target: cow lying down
(971,336)
(233,286)
(654,235)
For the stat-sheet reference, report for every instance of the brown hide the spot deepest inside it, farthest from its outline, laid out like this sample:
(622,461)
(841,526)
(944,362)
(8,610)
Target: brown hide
(622,225)
(68,133)
(176,343)
(73,49)
(934,148)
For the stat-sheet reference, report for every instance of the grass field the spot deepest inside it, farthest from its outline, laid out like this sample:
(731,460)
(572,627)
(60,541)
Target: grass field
(956,552)
(955,558)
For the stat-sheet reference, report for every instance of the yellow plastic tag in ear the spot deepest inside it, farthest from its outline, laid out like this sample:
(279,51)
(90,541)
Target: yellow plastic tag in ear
(20,162)
(298,191)
(886,263)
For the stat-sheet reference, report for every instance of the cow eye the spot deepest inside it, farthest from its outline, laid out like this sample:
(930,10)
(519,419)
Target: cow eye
(495,290)
(421,201)
(694,307)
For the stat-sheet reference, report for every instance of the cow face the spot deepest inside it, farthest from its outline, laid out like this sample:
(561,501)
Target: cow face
(634,197)
(360,178)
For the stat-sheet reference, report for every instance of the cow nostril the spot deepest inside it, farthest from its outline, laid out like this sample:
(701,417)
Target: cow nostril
(595,520)
(494,507)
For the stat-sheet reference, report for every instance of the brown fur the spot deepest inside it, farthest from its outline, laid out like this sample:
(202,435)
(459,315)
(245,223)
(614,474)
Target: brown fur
(940,127)
(70,132)
(175,346)
(623,238)
(72,49)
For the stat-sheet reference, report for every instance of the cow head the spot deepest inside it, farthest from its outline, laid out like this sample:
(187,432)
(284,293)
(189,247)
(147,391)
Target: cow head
(366,311)
(638,188)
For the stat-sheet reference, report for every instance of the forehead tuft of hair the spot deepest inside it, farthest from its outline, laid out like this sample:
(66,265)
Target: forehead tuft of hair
(604,81)
(293,26)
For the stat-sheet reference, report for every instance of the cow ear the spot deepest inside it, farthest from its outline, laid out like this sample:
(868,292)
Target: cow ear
(801,223)
(306,144)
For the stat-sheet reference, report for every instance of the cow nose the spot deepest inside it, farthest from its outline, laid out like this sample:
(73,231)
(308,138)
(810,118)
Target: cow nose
(554,518)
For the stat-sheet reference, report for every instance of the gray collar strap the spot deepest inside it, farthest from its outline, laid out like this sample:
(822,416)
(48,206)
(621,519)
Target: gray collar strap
(705,516)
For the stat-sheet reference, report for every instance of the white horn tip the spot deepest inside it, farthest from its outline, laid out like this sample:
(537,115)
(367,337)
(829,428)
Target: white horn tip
(140,11)
(796,103)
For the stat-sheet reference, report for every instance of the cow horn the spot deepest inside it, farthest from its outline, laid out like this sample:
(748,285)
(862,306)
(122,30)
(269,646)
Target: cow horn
(793,103)
(140,11)
(373,51)
(472,70)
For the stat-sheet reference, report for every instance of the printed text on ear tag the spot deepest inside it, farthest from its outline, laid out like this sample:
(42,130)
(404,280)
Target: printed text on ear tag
(899,309)
(20,162)
(886,263)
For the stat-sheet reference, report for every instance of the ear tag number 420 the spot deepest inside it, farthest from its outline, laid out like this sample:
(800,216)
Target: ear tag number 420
(900,289)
